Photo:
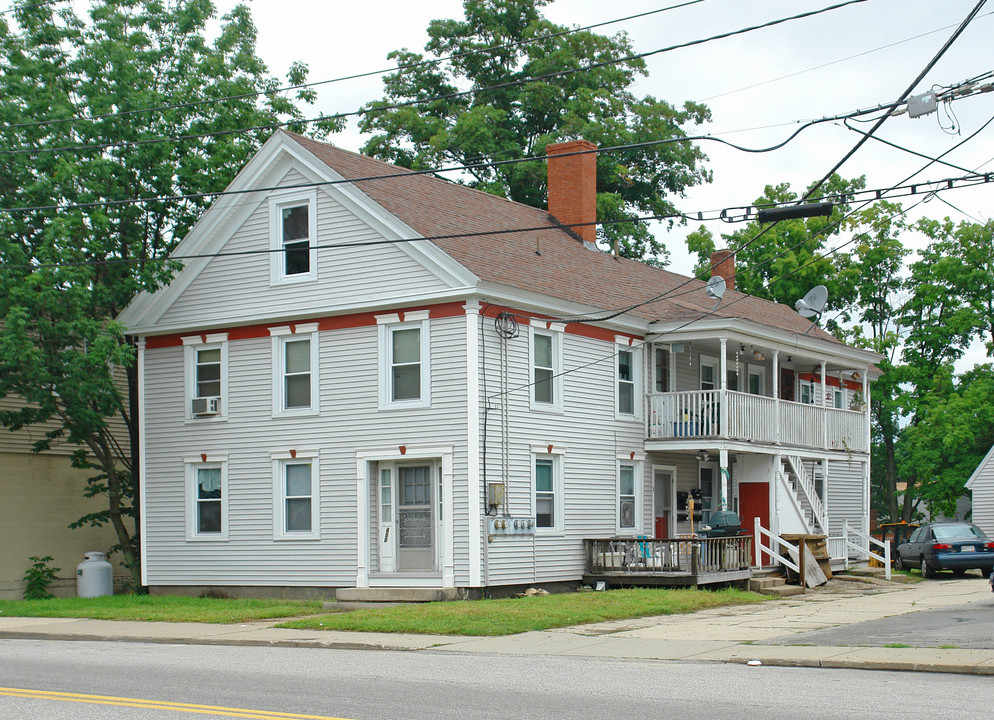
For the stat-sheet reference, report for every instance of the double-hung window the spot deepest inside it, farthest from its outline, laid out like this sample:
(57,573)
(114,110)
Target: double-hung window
(628,506)
(206,358)
(296,496)
(207,497)
(404,359)
(293,236)
(546,366)
(627,369)
(295,369)
(547,488)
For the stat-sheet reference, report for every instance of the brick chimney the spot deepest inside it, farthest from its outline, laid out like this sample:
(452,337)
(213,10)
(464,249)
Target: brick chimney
(573,186)
(723,265)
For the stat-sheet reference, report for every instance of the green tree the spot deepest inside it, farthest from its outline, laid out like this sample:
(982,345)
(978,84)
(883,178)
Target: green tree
(72,261)
(516,119)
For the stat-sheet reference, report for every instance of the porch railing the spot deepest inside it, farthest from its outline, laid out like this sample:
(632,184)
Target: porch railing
(694,556)
(756,418)
(853,539)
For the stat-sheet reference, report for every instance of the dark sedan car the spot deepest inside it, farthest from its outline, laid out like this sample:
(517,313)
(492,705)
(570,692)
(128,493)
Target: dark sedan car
(956,546)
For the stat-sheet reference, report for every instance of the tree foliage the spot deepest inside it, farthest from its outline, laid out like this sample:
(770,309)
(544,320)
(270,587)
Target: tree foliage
(516,109)
(77,238)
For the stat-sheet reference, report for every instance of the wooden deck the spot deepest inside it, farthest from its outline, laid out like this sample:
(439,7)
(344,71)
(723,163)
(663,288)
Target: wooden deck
(672,562)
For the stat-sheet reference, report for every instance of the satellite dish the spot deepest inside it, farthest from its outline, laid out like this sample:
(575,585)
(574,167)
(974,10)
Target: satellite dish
(715,289)
(813,303)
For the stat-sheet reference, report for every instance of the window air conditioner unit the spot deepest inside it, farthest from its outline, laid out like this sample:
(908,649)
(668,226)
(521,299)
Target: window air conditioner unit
(206,406)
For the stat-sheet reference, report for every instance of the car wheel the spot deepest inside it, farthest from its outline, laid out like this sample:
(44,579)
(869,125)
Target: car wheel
(927,572)
(899,563)
(986,572)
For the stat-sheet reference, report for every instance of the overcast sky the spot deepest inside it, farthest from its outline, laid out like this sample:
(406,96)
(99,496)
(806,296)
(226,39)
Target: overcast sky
(847,59)
(342,38)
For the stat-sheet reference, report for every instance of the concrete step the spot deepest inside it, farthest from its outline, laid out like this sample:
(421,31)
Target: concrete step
(756,584)
(782,590)
(397,595)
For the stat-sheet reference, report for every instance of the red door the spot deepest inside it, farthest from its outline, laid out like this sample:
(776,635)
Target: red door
(662,531)
(754,502)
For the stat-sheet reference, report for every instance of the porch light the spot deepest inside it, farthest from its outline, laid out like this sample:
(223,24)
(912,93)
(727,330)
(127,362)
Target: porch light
(758,355)
(856,375)
(703,456)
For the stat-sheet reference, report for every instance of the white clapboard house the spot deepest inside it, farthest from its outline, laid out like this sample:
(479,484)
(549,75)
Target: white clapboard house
(370,378)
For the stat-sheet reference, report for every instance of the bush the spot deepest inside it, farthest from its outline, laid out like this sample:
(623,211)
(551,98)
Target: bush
(39,577)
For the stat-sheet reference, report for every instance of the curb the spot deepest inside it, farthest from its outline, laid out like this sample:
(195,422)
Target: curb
(893,666)
(234,642)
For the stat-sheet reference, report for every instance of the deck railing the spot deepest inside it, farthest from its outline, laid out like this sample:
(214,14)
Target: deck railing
(691,555)
(755,418)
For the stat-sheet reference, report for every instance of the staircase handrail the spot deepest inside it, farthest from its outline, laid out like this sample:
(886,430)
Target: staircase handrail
(885,546)
(762,549)
(807,485)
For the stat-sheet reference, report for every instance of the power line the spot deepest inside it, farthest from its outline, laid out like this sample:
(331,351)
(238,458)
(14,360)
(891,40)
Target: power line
(833,62)
(356,76)
(904,96)
(916,189)
(712,137)
(422,101)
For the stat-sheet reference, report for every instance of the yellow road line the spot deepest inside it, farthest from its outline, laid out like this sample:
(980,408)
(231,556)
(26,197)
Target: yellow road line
(158,705)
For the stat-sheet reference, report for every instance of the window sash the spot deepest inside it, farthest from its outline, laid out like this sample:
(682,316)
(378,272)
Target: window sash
(626,382)
(544,368)
(545,494)
(297,374)
(296,239)
(662,370)
(405,364)
(208,500)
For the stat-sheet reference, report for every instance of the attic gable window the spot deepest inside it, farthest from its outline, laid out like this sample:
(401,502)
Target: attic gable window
(293,237)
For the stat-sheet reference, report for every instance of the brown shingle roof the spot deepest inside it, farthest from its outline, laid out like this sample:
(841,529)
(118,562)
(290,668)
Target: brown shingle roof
(565,269)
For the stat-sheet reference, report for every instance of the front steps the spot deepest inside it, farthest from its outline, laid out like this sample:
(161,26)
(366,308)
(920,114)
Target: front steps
(397,595)
(770,581)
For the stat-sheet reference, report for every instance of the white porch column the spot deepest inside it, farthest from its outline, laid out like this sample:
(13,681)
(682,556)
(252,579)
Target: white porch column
(723,411)
(723,471)
(362,511)
(824,404)
(776,391)
(142,455)
(473,478)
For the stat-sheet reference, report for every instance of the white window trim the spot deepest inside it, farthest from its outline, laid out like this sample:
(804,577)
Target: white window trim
(386,325)
(638,463)
(625,344)
(277,201)
(756,370)
(280,336)
(557,454)
(192,344)
(556,332)
(280,459)
(192,464)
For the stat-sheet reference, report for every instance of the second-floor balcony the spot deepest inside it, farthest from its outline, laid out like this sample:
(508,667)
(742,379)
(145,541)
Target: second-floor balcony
(731,415)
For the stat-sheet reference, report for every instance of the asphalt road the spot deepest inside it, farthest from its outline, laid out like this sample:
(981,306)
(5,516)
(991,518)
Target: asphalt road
(259,682)
(968,626)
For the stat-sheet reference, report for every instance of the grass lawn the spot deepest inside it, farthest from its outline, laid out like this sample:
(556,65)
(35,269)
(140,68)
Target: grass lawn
(515,615)
(168,608)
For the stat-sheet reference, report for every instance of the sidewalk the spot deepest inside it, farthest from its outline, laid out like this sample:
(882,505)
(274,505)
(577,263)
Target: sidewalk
(742,634)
